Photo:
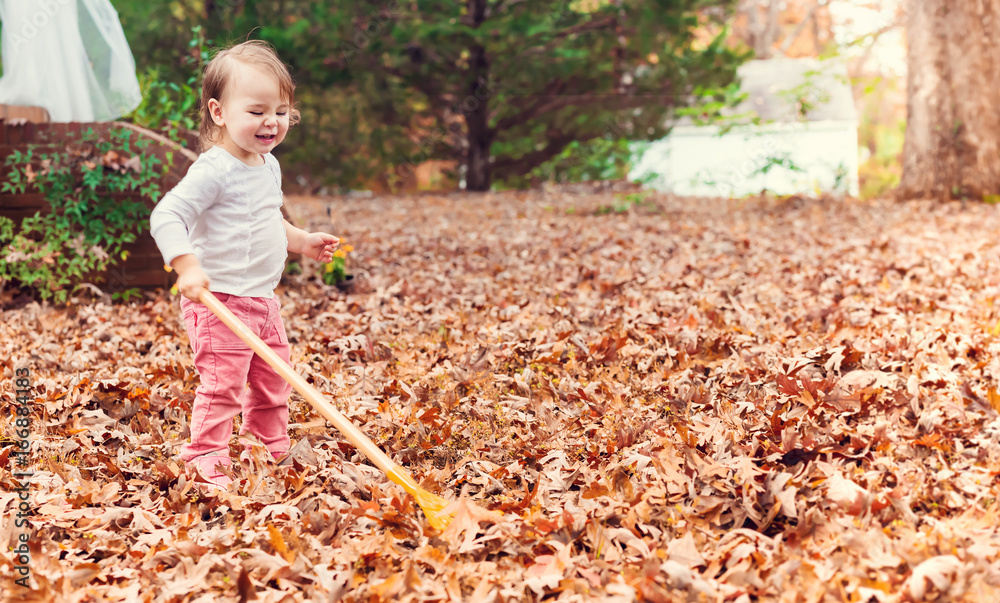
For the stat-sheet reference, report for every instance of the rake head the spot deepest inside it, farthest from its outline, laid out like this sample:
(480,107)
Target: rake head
(432,504)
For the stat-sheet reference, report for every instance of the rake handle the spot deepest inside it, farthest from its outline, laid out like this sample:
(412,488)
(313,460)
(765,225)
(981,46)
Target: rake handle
(310,393)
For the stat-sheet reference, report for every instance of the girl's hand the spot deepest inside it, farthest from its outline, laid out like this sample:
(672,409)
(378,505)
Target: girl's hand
(319,246)
(191,283)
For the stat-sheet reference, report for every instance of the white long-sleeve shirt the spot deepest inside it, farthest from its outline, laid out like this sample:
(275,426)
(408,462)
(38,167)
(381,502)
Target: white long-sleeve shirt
(228,214)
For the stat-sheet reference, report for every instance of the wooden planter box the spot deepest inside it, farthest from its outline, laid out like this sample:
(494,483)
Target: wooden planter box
(144,267)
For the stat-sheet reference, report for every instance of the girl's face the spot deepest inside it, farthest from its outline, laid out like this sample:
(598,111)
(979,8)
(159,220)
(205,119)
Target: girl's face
(253,115)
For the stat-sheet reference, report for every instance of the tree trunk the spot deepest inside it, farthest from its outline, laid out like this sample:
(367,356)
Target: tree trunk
(762,34)
(953,124)
(772,29)
(478,175)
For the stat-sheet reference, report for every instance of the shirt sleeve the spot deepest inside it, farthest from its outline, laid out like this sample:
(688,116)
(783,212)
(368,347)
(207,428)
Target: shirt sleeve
(176,213)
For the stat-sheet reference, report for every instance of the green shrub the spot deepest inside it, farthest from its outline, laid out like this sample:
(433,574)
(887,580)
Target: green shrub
(597,159)
(167,107)
(91,186)
(170,107)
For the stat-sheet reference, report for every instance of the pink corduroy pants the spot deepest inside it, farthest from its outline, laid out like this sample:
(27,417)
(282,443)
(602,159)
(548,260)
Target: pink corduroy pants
(234,379)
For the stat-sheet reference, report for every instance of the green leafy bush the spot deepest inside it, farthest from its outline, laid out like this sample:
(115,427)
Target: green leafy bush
(596,159)
(880,171)
(93,186)
(170,107)
(167,107)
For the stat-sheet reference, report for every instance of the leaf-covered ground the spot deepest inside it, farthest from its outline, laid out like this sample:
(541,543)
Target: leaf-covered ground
(672,400)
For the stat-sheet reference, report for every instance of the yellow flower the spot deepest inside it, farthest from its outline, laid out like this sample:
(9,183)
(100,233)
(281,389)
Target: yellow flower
(340,253)
(347,248)
(329,267)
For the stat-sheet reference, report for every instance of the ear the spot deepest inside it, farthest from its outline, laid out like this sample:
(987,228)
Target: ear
(215,110)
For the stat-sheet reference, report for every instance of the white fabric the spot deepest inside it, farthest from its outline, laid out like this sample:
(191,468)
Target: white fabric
(69,56)
(228,214)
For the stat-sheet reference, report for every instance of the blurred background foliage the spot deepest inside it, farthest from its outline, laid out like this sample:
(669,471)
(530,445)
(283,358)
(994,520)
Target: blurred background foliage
(551,89)
(398,95)
(881,130)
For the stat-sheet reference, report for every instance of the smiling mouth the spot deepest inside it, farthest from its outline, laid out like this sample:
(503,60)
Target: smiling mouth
(266,137)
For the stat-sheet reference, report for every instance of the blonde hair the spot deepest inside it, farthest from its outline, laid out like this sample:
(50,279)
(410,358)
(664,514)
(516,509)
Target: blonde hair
(219,74)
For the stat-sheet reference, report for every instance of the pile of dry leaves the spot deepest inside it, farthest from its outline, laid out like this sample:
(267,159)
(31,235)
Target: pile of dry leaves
(667,399)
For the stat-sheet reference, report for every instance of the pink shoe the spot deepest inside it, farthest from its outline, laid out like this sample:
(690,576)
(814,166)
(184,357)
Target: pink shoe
(208,466)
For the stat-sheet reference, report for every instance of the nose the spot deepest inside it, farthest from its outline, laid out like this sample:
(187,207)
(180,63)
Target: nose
(272,120)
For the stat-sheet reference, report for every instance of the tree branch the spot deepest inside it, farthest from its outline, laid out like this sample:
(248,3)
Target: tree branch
(541,104)
(875,35)
(504,4)
(423,84)
(556,100)
(525,163)
(557,142)
(558,37)
(798,29)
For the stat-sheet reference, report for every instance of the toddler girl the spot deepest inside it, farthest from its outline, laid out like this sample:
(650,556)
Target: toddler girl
(221,229)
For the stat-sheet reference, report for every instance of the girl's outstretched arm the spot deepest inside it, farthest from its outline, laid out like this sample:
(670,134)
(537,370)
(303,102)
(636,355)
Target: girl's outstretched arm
(316,245)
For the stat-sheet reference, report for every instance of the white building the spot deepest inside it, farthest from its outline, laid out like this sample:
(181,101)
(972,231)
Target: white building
(805,142)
